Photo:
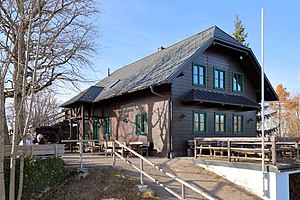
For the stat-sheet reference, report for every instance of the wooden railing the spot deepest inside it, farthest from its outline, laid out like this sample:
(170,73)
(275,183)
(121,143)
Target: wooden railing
(140,169)
(249,148)
(36,150)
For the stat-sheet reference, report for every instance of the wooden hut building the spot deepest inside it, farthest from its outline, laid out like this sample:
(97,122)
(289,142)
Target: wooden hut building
(206,85)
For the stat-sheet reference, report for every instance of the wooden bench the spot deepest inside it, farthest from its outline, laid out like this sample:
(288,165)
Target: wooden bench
(140,147)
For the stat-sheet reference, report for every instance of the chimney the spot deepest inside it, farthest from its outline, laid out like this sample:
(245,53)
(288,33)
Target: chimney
(108,71)
(160,48)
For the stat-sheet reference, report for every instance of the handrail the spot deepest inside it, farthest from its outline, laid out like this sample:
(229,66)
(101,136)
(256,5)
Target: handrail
(183,183)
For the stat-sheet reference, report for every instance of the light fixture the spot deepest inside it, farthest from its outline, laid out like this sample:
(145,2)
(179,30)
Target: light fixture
(241,58)
(251,121)
(182,116)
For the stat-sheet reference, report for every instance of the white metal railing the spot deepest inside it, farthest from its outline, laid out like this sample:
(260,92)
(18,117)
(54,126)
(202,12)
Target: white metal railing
(183,183)
(140,169)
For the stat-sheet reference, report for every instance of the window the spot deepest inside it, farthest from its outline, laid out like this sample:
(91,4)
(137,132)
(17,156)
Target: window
(219,79)
(199,75)
(237,82)
(238,123)
(199,122)
(95,129)
(140,124)
(107,127)
(220,123)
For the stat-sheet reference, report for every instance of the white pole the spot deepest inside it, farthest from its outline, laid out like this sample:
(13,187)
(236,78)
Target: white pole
(262,104)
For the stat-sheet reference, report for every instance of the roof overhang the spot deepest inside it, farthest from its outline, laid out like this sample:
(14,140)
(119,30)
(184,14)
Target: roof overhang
(217,99)
(85,97)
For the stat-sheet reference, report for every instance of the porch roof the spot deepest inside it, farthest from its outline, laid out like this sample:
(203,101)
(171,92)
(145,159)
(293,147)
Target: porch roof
(87,96)
(204,96)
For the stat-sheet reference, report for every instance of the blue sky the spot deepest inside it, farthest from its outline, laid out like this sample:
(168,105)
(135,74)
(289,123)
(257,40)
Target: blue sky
(132,29)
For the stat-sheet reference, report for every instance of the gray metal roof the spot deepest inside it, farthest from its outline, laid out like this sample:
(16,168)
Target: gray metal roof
(159,67)
(211,97)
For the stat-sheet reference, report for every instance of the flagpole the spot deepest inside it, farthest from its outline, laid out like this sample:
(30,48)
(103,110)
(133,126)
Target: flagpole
(262,104)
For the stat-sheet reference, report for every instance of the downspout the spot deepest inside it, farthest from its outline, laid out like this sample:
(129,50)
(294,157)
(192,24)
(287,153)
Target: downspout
(169,145)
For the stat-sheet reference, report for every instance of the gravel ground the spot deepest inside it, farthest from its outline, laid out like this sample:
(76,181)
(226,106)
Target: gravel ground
(185,169)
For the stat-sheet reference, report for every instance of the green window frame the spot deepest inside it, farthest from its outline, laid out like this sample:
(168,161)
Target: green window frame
(107,127)
(140,124)
(199,122)
(238,123)
(96,125)
(237,82)
(220,123)
(219,79)
(199,75)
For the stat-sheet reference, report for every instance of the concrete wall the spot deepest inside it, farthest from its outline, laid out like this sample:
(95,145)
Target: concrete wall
(250,178)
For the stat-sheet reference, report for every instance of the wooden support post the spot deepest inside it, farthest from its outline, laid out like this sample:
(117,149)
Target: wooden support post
(82,136)
(142,169)
(182,191)
(200,150)
(32,146)
(297,150)
(71,134)
(228,150)
(81,151)
(56,150)
(273,149)
(113,153)
(195,148)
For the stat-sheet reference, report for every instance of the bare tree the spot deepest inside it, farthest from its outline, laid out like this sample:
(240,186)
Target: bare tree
(44,109)
(46,41)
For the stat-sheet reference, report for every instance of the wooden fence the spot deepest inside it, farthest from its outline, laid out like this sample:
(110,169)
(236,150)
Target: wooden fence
(277,149)
(36,150)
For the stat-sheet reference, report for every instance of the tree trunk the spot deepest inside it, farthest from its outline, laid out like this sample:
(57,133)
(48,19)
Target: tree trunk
(20,191)
(6,132)
(2,125)
(18,98)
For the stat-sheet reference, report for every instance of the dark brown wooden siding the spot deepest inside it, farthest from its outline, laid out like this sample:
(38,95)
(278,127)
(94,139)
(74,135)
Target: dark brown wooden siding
(182,130)
(123,110)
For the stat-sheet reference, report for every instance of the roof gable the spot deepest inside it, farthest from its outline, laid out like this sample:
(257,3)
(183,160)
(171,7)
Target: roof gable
(160,67)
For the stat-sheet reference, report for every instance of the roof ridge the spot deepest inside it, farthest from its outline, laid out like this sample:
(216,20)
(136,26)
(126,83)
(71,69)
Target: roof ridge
(229,36)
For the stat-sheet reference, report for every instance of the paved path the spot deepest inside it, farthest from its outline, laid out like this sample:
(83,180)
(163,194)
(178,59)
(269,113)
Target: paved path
(185,169)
